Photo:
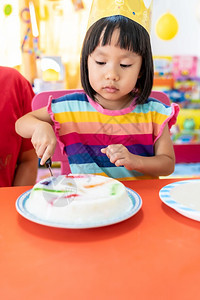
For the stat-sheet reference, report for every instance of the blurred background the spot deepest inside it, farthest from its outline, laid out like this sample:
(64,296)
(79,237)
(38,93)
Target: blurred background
(42,39)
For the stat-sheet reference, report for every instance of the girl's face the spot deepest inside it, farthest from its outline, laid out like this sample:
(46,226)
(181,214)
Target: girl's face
(113,73)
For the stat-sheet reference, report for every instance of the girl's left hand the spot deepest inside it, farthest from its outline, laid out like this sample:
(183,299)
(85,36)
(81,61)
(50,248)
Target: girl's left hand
(118,155)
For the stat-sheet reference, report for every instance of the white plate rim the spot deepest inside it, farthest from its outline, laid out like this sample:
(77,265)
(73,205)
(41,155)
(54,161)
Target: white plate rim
(184,210)
(134,197)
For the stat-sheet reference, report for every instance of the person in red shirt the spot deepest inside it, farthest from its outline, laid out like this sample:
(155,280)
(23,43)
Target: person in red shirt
(18,160)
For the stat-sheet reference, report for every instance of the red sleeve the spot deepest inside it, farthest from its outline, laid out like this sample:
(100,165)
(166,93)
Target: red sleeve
(27,97)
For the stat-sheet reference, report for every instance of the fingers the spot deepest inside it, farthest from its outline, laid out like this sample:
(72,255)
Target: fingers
(44,154)
(45,157)
(116,154)
(44,141)
(119,162)
(44,150)
(103,150)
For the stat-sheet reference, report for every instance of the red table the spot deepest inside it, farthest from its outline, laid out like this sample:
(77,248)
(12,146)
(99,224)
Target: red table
(153,255)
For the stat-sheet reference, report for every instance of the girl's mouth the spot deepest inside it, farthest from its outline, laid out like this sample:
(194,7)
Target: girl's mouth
(110,89)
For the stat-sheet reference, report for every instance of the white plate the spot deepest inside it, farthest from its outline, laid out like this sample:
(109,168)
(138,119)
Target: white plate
(22,210)
(184,197)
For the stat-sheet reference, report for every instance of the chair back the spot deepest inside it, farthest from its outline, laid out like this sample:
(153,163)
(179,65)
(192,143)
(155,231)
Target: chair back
(162,97)
(41,100)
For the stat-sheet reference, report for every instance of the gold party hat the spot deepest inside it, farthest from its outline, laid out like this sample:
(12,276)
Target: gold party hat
(135,10)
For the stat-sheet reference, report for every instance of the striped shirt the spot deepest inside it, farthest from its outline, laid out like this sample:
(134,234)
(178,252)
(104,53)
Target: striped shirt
(83,128)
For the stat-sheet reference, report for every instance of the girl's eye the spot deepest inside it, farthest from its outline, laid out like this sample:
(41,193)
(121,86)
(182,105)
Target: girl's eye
(100,62)
(124,66)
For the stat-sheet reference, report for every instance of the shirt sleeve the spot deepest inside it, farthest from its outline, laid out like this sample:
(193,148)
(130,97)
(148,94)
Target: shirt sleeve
(169,118)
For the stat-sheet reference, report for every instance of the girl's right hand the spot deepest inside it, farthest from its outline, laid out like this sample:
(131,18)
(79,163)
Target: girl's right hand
(44,141)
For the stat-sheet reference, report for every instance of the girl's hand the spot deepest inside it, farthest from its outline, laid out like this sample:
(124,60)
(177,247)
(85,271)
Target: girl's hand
(44,141)
(119,155)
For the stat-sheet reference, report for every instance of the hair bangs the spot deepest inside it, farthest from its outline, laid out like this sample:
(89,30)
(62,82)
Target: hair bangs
(127,38)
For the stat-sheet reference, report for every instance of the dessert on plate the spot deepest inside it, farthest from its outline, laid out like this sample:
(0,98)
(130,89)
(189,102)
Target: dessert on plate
(79,198)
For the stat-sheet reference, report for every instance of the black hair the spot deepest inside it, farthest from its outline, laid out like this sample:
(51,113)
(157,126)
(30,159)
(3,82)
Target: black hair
(132,37)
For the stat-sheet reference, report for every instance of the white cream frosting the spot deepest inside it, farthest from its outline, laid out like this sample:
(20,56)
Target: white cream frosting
(78,199)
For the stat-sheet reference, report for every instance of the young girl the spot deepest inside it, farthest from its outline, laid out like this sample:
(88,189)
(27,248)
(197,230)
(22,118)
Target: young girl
(113,128)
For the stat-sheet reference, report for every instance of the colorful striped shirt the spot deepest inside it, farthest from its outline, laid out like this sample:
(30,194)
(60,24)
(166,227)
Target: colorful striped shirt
(83,128)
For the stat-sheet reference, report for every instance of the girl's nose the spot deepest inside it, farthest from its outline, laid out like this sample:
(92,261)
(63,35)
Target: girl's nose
(112,75)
